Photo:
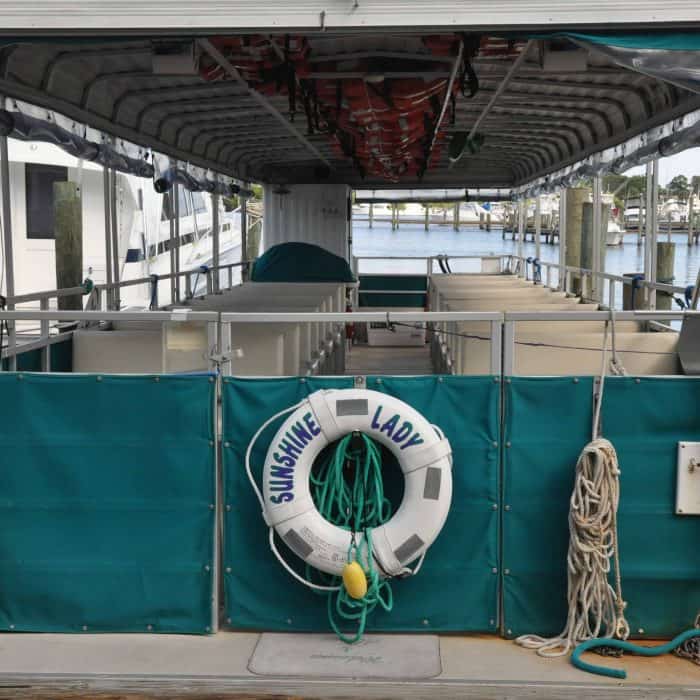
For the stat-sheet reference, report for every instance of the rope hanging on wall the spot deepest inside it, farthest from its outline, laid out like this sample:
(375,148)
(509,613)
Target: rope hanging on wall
(595,607)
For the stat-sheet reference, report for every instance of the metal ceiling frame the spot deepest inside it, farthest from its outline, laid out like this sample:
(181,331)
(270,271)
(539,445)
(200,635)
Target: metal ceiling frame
(566,118)
(215,54)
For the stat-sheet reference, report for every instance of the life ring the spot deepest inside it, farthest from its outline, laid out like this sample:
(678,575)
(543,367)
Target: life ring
(423,453)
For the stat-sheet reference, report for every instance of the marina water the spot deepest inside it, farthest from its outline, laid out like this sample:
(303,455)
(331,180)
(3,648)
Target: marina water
(412,240)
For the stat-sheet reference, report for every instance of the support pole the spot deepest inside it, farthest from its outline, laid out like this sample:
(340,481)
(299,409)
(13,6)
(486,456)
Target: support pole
(68,229)
(9,255)
(427,216)
(538,227)
(108,237)
(575,198)
(171,244)
(691,206)
(665,259)
(371,214)
(597,239)
(176,269)
(521,234)
(244,236)
(562,241)
(116,297)
(488,221)
(215,242)
(455,215)
(650,251)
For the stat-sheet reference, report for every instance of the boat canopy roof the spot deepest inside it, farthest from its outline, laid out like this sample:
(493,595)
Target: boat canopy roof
(496,109)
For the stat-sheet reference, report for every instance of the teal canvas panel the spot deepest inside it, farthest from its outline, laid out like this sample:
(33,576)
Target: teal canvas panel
(645,419)
(259,594)
(392,283)
(106,493)
(547,424)
(456,589)
(61,358)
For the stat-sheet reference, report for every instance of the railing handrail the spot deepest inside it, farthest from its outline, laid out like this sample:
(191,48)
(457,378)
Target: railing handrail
(186,314)
(176,314)
(103,286)
(659,286)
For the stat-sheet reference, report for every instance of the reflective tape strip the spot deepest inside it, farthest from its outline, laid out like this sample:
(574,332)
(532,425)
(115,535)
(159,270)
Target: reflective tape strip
(352,407)
(413,461)
(297,544)
(431,488)
(407,551)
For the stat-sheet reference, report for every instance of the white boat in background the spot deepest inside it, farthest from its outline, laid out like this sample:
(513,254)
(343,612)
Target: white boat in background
(143,221)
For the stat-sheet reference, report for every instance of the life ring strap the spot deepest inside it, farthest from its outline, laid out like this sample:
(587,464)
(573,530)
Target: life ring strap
(324,415)
(426,456)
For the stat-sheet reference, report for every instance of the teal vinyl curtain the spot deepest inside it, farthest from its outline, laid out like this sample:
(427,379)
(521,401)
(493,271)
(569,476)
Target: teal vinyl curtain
(106,503)
(548,422)
(457,588)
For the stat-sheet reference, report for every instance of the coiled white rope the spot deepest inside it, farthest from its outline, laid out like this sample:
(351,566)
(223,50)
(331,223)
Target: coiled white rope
(595,607)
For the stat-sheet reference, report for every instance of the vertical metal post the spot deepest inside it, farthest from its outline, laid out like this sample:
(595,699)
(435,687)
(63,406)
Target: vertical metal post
(108,237)
(44,332)
(171,243)
(596,282)
(562,241)
(371,214)
(9,261)
(496,347)
(652,173)
(215,236)
(538,227)
(508,348)
(176,270)
(244,236)
(115,240)
(522,222)
(691,208)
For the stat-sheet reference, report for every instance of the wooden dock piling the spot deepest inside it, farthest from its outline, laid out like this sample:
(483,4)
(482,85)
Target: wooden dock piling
(68,230)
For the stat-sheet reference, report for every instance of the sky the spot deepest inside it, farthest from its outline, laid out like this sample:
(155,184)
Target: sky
(684,163)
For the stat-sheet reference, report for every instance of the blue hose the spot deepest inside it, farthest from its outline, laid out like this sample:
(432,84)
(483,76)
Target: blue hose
(625,646)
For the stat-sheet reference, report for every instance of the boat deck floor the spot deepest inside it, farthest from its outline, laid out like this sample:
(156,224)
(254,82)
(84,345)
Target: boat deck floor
(136,666)
(372,359)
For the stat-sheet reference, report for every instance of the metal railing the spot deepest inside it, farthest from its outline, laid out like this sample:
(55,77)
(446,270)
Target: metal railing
(446,335)
(566,273)
(101,298)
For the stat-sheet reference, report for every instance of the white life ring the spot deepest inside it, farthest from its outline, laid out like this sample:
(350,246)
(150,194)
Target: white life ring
(424,455)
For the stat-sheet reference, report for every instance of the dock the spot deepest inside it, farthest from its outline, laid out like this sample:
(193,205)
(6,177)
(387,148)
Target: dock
(103,667)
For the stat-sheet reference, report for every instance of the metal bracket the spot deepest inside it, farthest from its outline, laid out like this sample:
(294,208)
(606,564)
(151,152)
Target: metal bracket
(688,479)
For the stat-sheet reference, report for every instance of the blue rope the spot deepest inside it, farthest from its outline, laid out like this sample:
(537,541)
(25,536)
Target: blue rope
(636,279)
(537,266)
(625,646)
(689,295)
(154,293)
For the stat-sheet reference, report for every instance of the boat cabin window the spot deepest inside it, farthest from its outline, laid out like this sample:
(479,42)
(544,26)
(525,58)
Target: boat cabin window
(184,201)
(200,206)
(39,180)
